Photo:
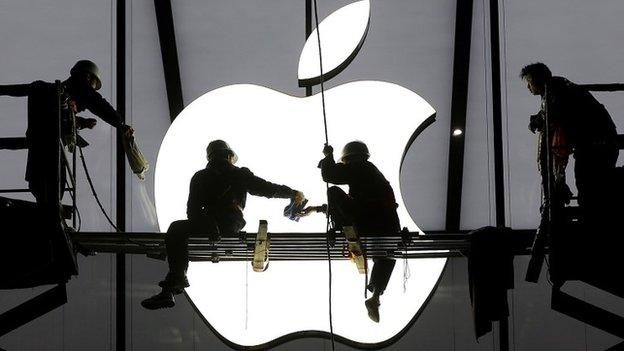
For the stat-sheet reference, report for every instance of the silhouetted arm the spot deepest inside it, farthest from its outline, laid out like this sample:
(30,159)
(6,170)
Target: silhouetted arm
(95,103)
(15,89)
(260,187)
(335,173)
(603,87)
(194,203)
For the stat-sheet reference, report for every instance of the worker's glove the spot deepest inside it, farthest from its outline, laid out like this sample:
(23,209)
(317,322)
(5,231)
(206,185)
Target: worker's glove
(82,123)
(298,197)
(127,131)
(536,122)
(328,150)
(313,209)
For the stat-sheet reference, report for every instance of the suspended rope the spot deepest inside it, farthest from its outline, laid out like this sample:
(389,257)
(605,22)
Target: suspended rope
(318,38)
(247,260)
(322,78)
(97,199)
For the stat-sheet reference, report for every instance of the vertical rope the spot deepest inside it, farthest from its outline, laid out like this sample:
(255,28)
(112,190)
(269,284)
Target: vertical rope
(322,78)
(131,106)
(406,271)
(487,117)
(508,185)
(110,204)
(247,264)
(318,38)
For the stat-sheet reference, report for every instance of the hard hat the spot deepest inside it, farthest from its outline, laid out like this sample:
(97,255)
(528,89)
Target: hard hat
(86,66)
(354,148)
(220,145)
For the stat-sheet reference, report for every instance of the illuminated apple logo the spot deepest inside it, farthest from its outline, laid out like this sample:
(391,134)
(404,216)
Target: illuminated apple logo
(280,137)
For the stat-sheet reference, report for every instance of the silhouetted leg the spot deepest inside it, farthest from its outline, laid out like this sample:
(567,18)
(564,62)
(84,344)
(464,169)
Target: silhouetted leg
(340,207)
(176,244)
(45,189)
(380,275)
(230,226)
(176,241)
(593,171)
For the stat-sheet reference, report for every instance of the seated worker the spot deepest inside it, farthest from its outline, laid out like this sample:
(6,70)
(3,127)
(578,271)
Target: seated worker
(578,125)
(215,206)
(78,92)
(370,206)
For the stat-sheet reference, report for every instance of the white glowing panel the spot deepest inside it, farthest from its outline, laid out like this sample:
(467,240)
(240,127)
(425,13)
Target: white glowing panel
(280,138)
(341,33)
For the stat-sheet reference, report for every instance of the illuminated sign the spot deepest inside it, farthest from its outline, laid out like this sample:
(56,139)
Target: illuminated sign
(280,138)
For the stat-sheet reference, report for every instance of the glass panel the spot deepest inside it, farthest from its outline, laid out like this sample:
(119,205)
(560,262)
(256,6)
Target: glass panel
(42,40)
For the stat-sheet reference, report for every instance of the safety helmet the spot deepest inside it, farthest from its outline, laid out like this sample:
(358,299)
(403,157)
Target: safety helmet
(354,148)
(84,67)
(220,145)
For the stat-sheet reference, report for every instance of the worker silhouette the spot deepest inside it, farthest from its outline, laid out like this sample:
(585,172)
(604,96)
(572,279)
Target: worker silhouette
(78,92)
(578,125)
(215,206)
(370,206)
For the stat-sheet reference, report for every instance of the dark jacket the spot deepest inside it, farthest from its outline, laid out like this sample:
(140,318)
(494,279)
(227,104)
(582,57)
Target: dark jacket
(221,190)
(366,183)
(42,107)
(373,198)
(584,121)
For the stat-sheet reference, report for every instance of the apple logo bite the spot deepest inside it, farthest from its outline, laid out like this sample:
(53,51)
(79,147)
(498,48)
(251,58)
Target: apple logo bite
(280,137)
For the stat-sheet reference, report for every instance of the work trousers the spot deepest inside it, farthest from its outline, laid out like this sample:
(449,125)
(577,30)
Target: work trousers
(45,189)
(343,211)
(594,170)
(179,232)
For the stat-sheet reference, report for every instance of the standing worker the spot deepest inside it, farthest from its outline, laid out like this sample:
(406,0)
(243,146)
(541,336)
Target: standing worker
(78,92)
(217,197)
(578,125)
(370,206)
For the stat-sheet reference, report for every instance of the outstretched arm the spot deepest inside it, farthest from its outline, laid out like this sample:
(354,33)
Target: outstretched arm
(260,187)
(98,105)
(15,89)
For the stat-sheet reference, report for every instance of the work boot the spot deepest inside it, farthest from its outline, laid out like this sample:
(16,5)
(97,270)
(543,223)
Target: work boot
(372,306)
(162,300)
(175,283)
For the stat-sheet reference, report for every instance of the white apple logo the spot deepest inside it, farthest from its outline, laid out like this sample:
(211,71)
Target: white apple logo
(280,137)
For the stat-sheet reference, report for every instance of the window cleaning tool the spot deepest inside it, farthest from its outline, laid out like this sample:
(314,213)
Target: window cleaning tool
(137,161)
